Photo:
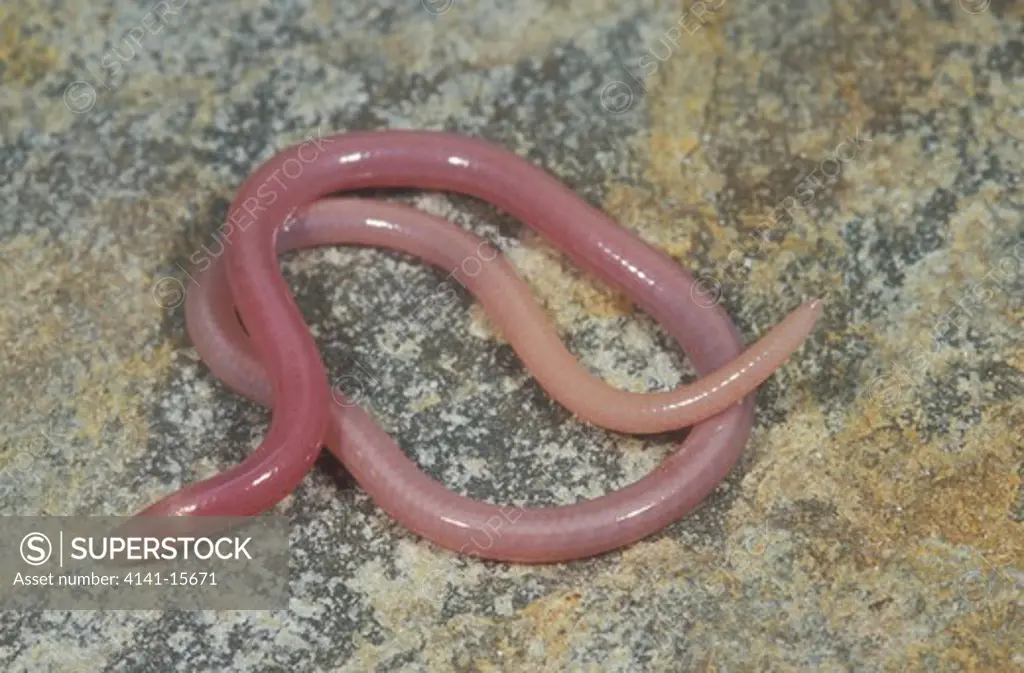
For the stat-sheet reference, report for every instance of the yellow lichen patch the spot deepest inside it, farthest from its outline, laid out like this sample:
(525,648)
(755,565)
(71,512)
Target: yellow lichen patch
(917,489)
(567,293)
(958,511)
(112,393)
(639,210)
(82,334)
(651,563)
(23,59)
(481,326)
(1015,358)
(678,93)
(891,531)
(889,487)
(554,618)
(601,302)
(543,635)
(679,165)
(482,40)
(804,438)
(147,92)
(681,91)
(965,498)
(981,641)
(27,57)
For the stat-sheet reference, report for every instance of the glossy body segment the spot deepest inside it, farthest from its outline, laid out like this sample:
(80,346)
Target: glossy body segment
(380,466)
(250,281)
(512,308)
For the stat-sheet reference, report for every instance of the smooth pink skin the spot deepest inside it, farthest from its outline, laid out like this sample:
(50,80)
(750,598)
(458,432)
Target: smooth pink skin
(380,466)
(283,344)
(511,307)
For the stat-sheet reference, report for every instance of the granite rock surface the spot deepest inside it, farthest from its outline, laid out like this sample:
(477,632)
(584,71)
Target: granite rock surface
(869,153)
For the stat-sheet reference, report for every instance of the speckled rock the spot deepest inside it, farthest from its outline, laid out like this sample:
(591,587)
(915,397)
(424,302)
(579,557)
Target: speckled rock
(870,153)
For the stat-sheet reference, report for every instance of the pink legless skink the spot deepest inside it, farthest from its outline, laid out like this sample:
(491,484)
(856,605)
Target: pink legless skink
(444,161)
